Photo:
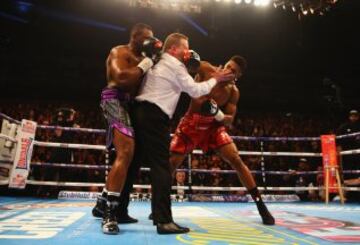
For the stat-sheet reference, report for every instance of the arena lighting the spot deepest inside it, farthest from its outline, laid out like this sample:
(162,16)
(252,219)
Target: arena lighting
(257,2)
(175,5)
(265,2)
(195,6)
(304,7)
(261,3)
(278,3)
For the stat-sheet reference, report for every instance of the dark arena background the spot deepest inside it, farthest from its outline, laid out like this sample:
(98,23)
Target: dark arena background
(296,127)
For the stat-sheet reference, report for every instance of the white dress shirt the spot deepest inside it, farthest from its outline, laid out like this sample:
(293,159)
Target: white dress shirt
(165,81)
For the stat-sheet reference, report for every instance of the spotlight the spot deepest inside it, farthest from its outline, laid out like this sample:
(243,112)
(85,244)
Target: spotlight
(23,7)
(265,2)
(305,12)
(312,11)
(248,1)
(284,7)
(238,1)
(293,8)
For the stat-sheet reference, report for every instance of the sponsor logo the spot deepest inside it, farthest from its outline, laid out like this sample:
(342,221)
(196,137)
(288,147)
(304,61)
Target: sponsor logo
(78,195)
(37,225)
(213,228)
(28,127)
(228,231)
(24,153)
(323,228)
(24,206)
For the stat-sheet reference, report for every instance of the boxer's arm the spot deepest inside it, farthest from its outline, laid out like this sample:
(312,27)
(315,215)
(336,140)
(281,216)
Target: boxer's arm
(119,69)
(195,90)
(205,71)
(231,107)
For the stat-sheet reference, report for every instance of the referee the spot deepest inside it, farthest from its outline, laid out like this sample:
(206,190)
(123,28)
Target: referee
(154,107)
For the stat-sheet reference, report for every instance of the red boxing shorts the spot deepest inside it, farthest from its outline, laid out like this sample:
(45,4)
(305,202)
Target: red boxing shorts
(198,131)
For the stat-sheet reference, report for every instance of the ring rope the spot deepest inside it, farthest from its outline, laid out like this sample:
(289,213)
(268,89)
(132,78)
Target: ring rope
(70,165)
(200,188)
(223,171)
(248,138)
(248,153)
(350,152)
(268,153)
(254,138)
(87,130)
(348,135)
(2,115)
(70,145)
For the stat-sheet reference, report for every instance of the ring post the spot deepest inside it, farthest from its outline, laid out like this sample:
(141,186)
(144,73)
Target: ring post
(262,161)
(189,177)
(331,167)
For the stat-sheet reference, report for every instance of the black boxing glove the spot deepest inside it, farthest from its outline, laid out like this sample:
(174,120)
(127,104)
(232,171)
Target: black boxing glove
(151,48)
(192,60)
(210,108)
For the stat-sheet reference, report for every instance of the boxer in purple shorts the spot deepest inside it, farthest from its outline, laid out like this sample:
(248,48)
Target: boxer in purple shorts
(125,67)
(115,106)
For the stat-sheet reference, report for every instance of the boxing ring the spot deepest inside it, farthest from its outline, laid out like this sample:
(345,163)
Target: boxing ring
(68,218)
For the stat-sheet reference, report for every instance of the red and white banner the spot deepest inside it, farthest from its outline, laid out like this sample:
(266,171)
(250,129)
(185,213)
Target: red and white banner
(330,160)
(21,167)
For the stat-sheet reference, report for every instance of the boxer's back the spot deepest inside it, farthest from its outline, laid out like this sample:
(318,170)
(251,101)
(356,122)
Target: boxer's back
(124,58)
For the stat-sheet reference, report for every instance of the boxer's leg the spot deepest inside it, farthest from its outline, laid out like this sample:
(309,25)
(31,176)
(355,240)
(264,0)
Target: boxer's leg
(121,136)
(176,159)
(182,143)
(229,153)
(124,146)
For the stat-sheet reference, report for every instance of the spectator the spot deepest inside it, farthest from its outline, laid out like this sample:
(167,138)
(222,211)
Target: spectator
(350,162)
(294,178)
(352,196)
(180,181)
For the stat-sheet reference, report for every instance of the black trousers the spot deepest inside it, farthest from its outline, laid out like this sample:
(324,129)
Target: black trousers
(152,139)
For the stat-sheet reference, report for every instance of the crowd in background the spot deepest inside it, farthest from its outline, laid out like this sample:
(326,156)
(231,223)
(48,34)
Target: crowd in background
(245,124)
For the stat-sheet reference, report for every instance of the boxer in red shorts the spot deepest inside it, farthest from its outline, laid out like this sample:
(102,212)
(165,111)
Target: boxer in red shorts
(203,126)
